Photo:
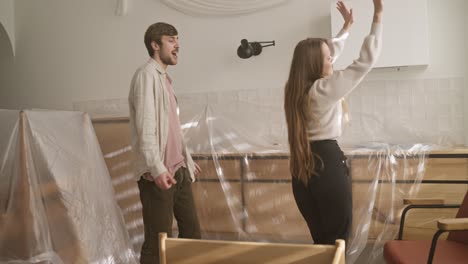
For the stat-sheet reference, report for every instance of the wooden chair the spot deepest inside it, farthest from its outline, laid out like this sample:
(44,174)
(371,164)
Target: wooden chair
(184,251)
(452,250)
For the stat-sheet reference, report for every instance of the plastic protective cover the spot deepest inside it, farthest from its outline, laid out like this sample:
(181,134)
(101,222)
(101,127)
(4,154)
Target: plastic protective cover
(245,191)
(57,202)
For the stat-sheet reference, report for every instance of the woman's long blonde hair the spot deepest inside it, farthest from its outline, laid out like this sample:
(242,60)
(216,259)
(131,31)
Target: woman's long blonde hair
(306,68)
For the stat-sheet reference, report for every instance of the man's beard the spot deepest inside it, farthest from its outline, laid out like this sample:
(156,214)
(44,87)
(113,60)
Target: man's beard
(168,60)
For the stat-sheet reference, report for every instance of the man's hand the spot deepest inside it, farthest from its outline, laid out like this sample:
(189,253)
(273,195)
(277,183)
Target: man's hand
(197,169)
(165,180)
(346,14)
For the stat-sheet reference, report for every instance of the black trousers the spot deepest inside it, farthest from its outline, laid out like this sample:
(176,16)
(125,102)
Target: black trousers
(326,203)
(159,207)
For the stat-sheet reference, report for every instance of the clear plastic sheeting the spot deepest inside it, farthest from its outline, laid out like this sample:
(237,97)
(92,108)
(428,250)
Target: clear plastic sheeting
(382,177)
(244,191)
(57,204)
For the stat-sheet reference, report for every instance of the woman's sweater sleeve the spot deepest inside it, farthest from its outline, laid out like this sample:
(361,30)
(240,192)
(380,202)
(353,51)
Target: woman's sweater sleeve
(332,89)
(337,44)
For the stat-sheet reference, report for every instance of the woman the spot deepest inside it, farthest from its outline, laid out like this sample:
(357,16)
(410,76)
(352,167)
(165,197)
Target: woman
(313,95)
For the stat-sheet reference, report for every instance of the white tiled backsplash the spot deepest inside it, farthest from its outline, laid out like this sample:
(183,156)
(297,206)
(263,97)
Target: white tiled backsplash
(390,111)
(408,111)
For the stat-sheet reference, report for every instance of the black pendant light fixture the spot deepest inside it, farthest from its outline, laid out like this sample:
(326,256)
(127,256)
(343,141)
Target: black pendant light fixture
(248,49)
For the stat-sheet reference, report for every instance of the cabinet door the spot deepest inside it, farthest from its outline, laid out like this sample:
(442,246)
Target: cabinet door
(219,206)
(273,213)
(269,202)
(114,140)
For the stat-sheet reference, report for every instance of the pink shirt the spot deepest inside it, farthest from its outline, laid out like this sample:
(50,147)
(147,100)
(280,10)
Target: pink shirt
(173,158)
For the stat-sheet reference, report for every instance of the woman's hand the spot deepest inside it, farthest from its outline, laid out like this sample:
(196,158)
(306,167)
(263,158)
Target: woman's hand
(378,10)
(378,6)
(346,14)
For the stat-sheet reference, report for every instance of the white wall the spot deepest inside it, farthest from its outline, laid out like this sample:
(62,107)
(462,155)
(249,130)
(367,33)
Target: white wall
(78,50)
(73,51)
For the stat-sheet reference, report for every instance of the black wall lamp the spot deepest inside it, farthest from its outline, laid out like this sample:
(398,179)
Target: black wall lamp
(249,49)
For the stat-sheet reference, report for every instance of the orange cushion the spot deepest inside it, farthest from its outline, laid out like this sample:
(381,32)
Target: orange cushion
(417,251)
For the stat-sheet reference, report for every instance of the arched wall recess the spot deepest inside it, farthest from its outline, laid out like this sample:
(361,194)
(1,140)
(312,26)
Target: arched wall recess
(221,7)
(7,27)
(6,45)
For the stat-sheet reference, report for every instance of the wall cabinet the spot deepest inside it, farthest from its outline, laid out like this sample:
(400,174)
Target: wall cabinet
(405,34)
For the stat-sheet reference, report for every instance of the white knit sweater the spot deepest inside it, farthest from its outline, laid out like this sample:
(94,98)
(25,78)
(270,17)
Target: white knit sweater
(325,110)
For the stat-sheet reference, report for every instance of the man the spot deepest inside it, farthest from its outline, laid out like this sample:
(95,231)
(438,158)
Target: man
(163,164)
